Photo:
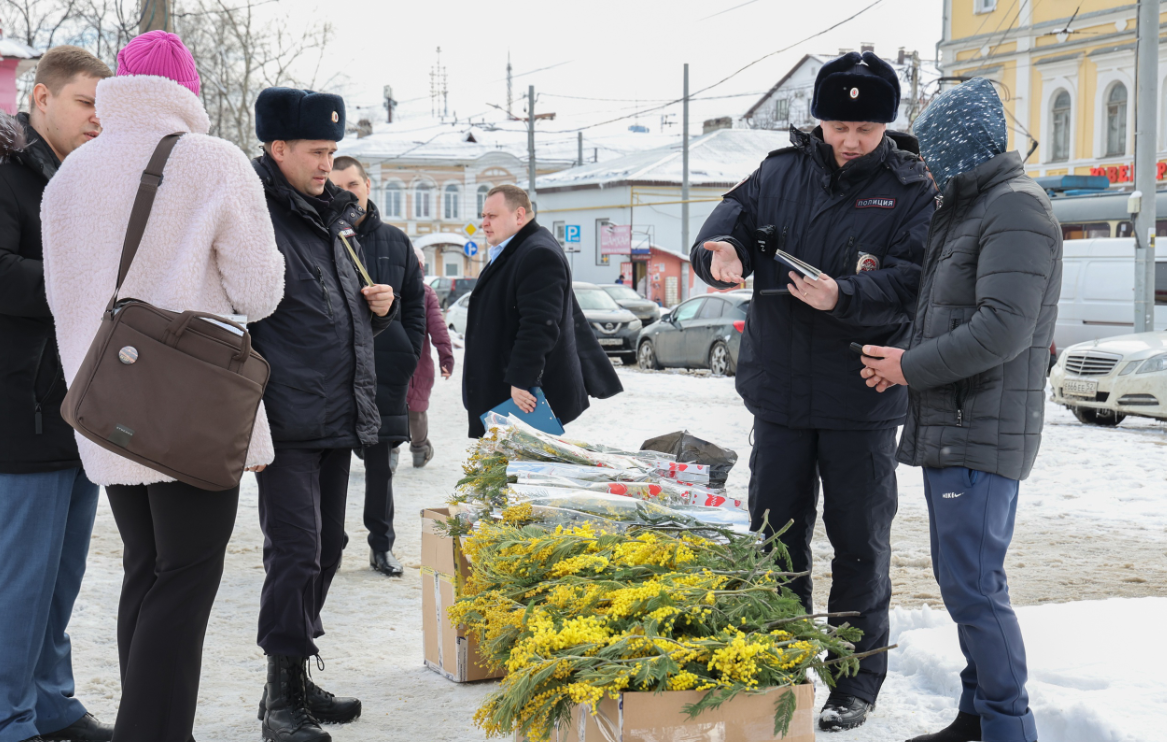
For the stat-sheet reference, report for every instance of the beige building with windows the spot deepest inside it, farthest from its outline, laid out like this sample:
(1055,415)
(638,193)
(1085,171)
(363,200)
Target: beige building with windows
(1066,73)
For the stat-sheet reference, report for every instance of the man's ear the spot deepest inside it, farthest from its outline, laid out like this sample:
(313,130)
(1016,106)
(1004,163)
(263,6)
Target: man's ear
(40,96)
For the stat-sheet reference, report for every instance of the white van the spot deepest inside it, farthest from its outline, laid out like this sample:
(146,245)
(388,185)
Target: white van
(1098,285)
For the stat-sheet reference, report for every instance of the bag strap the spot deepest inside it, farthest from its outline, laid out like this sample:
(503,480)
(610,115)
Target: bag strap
(143,203)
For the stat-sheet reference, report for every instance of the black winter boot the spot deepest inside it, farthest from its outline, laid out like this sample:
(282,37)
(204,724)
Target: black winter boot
(966,728)
(286,717)
(842,711)
(324,707)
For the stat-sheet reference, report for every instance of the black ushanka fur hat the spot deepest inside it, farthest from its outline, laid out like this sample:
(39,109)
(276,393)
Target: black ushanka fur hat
(856,87)
(287,114)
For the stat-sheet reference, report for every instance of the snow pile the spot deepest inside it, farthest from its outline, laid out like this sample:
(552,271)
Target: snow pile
(1086,684)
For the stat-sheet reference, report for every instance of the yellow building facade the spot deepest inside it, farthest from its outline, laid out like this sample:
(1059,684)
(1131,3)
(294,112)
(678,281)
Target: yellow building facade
(1067,81)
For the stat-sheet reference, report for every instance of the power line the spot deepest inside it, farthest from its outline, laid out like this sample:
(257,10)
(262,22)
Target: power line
(731,75)
(728,10)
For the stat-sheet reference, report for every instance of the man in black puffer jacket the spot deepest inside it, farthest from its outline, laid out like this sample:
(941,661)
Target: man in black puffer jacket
(320,398)
(391,262)
(853,201)
(976,371)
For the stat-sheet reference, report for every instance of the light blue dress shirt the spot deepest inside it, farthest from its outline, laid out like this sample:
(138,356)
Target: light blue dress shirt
(497,249)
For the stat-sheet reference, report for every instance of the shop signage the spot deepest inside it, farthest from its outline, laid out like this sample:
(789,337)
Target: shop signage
(1126,173)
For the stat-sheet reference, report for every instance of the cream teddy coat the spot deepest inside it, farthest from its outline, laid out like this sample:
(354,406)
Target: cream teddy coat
(209,244)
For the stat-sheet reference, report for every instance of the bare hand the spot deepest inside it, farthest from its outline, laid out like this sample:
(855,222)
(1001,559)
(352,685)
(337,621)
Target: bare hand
(821,294)
(885,370)
(446,373)
(524,399)
(380,298)
(257,469)
(726,266)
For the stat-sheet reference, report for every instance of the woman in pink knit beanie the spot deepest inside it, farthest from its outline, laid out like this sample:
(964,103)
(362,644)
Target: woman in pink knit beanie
(209,246)
(160,54)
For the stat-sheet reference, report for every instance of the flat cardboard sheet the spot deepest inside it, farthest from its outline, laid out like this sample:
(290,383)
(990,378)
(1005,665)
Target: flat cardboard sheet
(448,650)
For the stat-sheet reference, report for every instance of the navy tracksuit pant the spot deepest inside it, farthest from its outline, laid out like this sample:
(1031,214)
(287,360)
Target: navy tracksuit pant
(970,516)
(860,497)
(302,497)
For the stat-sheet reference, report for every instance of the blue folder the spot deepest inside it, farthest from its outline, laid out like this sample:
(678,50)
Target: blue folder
(541,419)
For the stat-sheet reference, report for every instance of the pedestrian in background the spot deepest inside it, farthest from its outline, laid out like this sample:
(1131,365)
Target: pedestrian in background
(853,200)
(47,503)
(524,328)
(207,247)
(423,378)
(321,398)
(396,350)
(975,369)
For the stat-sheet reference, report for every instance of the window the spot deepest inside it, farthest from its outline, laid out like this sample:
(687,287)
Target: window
(984,6)
(595,300)
(423,201)
(782,110)
(1087,231)
(1116,121)
(1124,229)
(1060,120)
(713,309)
(482,191)
(452,269)
(1160,284)
(451,208)
(393,198)
(601,259)
(688,310)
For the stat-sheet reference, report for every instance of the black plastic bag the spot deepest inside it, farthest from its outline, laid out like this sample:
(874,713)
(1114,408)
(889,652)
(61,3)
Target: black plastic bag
(689,449)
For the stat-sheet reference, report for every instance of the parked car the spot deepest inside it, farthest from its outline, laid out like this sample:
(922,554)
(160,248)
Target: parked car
(457,313)
(451,288)
(615,327)
(703,332)
(1098,283)
(646,311)
(1104,381)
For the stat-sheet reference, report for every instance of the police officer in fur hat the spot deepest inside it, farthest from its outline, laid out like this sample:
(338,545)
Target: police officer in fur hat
(852,200)
(320,398)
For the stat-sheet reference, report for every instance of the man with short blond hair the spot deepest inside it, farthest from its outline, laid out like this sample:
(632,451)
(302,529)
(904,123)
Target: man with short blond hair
(47,504)
(525,330)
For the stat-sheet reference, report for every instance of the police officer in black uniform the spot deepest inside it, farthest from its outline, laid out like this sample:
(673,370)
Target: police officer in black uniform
(852,200)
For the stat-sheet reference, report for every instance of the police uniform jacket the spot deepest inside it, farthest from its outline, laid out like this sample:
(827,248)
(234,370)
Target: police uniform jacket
(863,224)
(319,342)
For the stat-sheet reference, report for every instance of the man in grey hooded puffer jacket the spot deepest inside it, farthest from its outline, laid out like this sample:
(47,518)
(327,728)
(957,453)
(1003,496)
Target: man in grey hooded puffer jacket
(975,371)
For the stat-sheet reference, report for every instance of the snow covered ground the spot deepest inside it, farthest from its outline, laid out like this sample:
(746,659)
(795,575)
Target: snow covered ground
(1092,524)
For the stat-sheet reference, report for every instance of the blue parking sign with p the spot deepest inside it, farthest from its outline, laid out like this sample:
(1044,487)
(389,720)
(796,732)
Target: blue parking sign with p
(571,233)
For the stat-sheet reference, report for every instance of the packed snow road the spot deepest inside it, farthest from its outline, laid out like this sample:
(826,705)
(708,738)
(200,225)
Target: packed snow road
(1092,525)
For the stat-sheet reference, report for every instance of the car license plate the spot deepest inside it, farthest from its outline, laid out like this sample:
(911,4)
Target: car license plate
(611,341)
(1079,388)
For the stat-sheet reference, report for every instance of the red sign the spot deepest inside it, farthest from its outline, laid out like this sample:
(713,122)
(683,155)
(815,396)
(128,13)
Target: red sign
(1126,173)
(615,240)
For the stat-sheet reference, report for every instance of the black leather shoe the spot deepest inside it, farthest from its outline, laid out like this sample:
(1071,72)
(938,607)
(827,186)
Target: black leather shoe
(329,709)
(385,563)
(966,728)
(843,712)
(85,729)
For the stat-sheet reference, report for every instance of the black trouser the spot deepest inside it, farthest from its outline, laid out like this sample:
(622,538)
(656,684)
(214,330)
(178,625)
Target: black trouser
(302,498)
(175,538)
(857,468)
(379,496)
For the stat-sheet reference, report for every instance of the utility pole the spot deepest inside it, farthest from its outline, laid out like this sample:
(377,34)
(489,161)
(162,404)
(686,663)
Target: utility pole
(579,146)
(510,97)
(685,187)
(531,145)
(1146,77)
(155,16)
(912,112)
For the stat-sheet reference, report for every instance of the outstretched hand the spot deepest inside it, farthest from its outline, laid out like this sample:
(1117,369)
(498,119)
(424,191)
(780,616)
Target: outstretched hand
(726,266)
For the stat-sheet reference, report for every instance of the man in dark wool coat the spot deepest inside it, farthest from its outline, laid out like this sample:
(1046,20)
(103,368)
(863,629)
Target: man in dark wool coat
(853,200)
(525,329)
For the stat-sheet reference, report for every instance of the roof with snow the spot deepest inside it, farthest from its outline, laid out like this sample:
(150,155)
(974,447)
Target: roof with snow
(11,48)
(718,159)
(433,139)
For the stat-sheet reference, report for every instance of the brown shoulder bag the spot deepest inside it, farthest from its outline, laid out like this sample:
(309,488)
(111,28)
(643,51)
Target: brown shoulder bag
(176,392)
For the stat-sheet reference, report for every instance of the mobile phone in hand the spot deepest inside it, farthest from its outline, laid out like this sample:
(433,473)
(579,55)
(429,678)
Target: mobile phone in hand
(859,349)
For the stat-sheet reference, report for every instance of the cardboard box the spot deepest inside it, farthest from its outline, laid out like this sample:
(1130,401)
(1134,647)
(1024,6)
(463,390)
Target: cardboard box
(449,651)
(658,717)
